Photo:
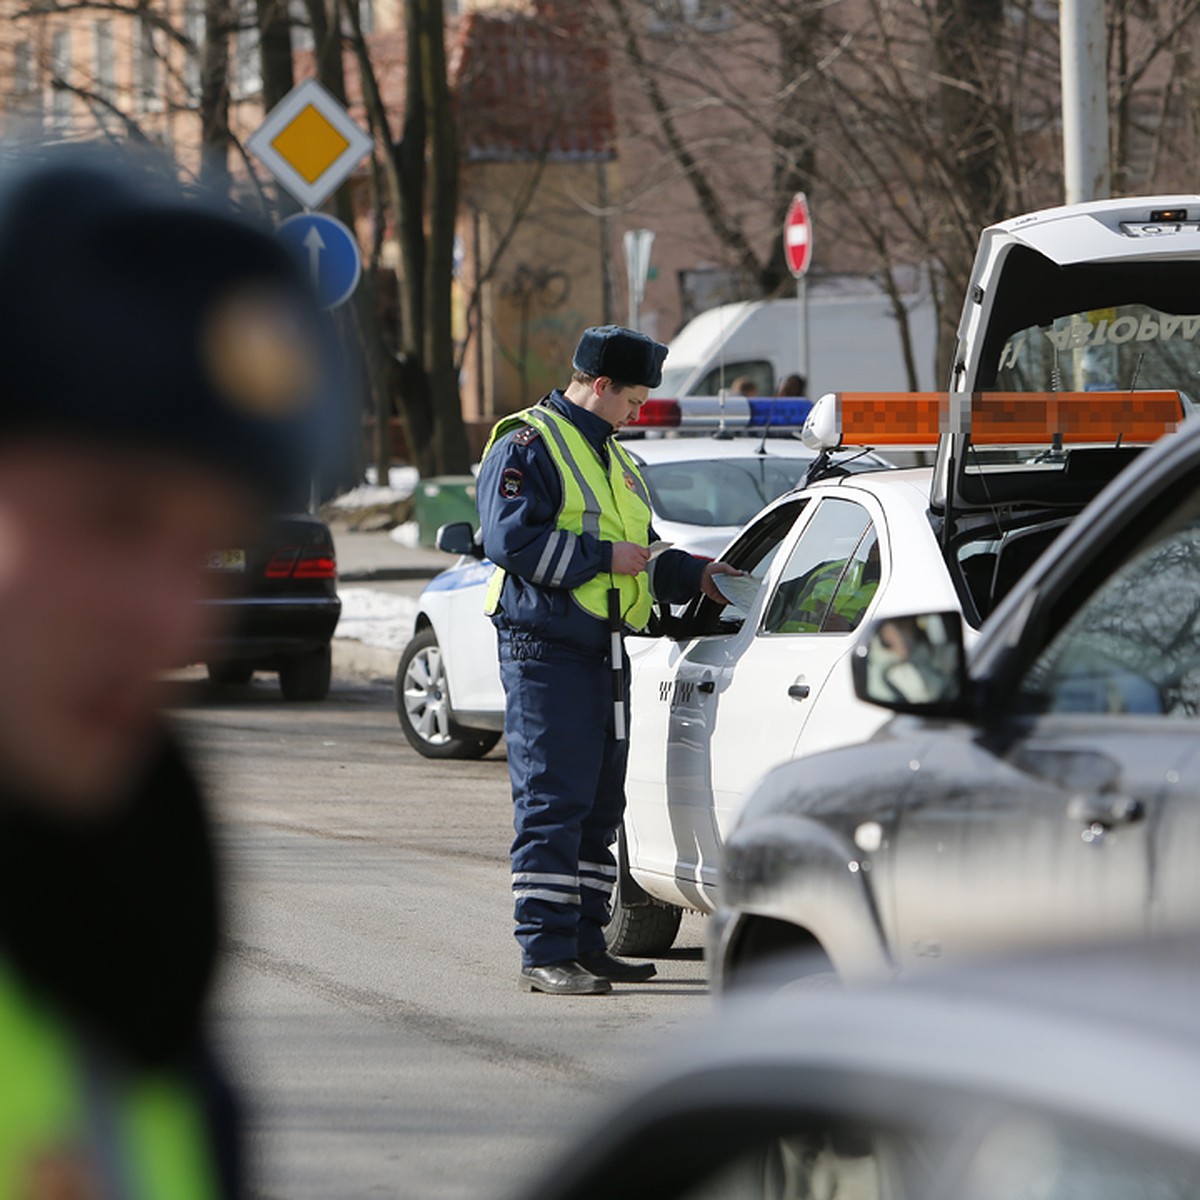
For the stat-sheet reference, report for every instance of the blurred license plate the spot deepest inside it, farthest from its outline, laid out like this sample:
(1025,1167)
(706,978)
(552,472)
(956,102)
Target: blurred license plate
(227,560)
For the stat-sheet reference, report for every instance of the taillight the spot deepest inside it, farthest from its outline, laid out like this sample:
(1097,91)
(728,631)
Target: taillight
(316,566)
(293,562)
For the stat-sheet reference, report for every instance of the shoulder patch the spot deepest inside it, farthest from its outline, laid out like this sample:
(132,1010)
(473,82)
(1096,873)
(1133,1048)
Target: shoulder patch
(511,483)
(525,435)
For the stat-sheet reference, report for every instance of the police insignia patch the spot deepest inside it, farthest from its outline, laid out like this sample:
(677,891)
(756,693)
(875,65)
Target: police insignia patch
(630,482)
(511,483)
(525,435)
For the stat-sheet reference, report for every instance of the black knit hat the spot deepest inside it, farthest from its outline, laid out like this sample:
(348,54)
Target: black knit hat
(620,354)
(132,314)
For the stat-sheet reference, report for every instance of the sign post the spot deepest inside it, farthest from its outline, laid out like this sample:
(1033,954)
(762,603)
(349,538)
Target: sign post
(638,243)
(797,253)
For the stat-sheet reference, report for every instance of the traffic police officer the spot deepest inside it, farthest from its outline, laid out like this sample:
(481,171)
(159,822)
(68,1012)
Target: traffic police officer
(158,375)
(566,519)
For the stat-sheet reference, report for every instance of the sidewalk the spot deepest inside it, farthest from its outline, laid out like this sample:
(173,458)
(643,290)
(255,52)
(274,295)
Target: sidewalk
(375,558)
(376,624)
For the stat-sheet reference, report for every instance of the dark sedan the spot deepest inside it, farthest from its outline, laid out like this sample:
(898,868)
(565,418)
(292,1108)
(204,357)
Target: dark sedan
(1048,791)
(282,606)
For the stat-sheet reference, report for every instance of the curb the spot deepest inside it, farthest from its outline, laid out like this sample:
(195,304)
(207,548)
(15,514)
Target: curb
(388,574)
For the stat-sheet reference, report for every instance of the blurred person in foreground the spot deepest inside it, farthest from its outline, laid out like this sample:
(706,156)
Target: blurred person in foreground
(158,384)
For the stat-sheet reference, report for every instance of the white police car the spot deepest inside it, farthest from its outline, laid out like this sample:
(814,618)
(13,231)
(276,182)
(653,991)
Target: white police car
(703,489)
(1078,345)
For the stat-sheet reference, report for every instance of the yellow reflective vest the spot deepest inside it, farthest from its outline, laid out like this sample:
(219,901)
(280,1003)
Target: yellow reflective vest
(610,502)
(72,1123)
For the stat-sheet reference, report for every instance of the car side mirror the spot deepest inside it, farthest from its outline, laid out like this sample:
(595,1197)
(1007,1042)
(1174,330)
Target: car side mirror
(915,664)
(458,538)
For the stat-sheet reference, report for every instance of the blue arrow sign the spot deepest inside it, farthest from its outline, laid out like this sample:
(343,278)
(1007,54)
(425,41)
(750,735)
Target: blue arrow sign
(328,252)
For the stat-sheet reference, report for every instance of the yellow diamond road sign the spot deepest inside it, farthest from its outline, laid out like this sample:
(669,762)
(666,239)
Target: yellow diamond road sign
(310,143)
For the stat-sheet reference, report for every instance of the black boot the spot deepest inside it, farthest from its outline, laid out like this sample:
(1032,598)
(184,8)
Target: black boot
(562,979)
(616,969)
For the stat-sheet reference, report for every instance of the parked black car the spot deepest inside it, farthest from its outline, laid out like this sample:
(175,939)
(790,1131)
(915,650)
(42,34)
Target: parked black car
(285,607)
(1048,791)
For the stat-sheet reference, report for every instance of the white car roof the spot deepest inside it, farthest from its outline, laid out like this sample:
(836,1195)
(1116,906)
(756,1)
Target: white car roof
(692,449)
(908,487)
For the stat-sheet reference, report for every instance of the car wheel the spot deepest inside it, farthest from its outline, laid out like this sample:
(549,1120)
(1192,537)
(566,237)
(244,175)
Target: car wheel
(229,674)
(639,928)
(307,677)
(423,705)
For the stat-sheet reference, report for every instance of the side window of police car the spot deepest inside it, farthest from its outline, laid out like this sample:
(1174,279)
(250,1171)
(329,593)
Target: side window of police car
(753,553)
(831,576)
(1133,647)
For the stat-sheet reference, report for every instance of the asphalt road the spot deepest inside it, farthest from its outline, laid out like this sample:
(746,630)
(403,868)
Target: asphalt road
(369,1002)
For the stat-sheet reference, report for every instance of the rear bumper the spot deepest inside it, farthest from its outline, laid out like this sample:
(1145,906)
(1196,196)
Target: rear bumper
(263,629)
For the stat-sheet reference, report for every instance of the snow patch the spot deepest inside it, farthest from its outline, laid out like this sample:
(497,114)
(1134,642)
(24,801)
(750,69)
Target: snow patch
(376,618)
(402,482)
(408,534)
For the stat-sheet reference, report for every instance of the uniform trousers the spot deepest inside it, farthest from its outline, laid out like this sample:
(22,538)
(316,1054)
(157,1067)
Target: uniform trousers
(568,783)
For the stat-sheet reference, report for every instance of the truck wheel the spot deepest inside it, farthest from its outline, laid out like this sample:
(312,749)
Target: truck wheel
(423,705)
(308,676)
(638,928)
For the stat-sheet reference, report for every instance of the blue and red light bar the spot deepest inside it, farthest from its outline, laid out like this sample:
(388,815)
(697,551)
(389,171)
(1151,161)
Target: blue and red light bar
(716,412)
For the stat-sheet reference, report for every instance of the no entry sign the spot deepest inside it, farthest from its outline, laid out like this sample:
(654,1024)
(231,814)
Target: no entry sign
(797,236)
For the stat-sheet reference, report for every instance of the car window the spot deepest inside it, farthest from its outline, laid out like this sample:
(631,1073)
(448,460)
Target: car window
(760,373)
(1119,348)
(859,583)
(1134,645)
(718,491)
(753,552)
(826,584)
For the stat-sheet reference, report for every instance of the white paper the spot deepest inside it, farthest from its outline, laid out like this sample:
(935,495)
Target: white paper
(739,590)
(656,548)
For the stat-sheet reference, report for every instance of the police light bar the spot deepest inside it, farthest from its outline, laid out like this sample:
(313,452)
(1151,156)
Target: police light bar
(990,418)
(723,412)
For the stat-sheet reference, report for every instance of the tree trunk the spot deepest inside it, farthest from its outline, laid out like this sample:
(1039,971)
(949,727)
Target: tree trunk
(275,44)
(451,453)
(410,225)
(215,137)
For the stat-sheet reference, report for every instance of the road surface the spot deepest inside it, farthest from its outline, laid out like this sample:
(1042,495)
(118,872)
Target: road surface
(369,1001)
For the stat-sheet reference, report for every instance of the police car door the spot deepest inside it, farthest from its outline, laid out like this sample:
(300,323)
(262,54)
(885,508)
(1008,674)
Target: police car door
(780,673)
(669,825)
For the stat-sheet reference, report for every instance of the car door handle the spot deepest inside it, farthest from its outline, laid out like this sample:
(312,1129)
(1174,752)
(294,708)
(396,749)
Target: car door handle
(1105,810)
(707,686)
(799,691)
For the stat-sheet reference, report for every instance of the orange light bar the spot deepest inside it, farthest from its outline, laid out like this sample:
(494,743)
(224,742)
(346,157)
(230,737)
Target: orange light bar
(1014,418)
(1007,418)
(892,418)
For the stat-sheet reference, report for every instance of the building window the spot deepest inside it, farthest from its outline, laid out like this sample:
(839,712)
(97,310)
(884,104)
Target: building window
(104,83)
(193,29)
(247,62)
(26,95)
(708,16)
(60,81)
(147,67)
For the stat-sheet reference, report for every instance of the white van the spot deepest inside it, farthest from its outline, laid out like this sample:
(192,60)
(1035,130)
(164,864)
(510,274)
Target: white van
(855,340)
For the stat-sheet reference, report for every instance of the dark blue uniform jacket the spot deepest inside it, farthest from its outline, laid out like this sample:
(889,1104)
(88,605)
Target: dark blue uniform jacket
(519,495)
